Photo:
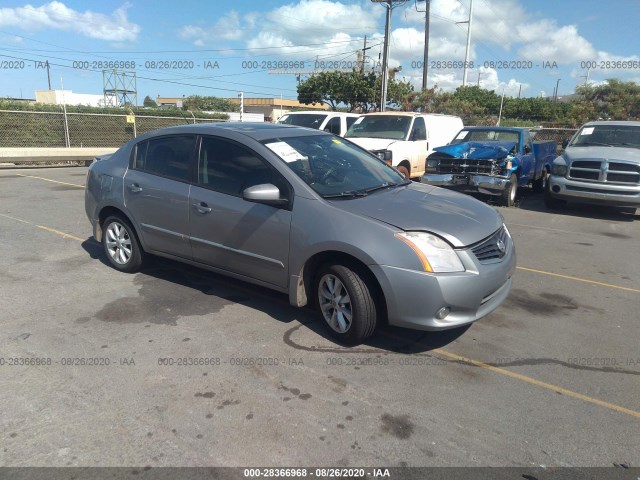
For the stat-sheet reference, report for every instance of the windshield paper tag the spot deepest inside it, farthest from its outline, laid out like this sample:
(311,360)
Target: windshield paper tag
(285,151)
(587,131)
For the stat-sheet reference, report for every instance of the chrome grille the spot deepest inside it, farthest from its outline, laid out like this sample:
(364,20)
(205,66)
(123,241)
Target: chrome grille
(493,248)
(603,171)
(467,165)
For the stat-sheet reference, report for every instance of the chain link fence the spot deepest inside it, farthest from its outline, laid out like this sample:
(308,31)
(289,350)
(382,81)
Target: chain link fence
(558,135)
(55,129)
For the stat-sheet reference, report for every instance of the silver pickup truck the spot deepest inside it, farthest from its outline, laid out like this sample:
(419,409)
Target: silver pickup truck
(600,165)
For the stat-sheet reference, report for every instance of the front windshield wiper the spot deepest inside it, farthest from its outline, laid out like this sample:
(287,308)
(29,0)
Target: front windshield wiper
(347,194)
(601,144)
(387,185)
(626,144)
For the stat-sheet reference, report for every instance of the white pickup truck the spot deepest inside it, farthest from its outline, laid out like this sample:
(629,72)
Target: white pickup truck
(404,139)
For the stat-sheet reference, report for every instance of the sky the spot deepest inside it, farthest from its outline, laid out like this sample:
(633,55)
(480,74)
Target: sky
(223,47)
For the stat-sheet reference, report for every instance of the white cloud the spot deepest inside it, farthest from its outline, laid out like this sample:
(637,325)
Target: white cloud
(226,28)
(113,27)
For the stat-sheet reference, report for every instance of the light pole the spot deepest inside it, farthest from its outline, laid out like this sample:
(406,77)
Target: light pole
(556,95)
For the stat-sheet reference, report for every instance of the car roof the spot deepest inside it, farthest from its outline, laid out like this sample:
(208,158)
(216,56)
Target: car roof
(255,130)
(629,123)
(497,129)
(323,112)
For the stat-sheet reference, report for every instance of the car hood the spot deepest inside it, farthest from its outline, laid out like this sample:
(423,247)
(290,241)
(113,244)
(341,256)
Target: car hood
(369,143)
(477,150)
(460,219)
(608,153)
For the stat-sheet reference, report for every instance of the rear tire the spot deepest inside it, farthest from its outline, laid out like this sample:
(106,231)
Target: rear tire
(550,201)
(121,245)
(345,303)
(508,198)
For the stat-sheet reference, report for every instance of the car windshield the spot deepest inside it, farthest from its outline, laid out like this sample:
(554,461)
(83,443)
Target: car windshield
(487,135)
(394,127)
(304,120)
(608,136)
(334,167)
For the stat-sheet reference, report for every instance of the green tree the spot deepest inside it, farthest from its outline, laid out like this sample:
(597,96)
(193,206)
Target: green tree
(149,102)
(210,104)
(359,91)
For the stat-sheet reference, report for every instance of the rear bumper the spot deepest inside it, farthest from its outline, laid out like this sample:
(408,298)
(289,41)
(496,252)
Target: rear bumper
(593,192)
(469,182)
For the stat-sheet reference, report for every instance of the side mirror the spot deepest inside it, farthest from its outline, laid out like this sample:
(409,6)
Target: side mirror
(527,149)
(565,143)
(266,193)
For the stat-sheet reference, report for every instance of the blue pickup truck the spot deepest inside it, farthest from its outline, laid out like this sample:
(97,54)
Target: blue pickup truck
(491,160)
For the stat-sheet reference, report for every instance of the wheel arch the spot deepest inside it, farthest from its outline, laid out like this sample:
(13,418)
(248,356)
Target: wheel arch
(108,211)
(304,291)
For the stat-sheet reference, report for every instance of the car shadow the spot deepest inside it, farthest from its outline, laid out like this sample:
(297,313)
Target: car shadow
(276,305)
(532,201)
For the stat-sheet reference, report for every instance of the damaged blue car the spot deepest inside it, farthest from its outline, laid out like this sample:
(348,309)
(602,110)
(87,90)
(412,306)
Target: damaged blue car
(493,161)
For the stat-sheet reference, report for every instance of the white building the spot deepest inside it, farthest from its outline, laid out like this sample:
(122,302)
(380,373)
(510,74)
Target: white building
(58,97)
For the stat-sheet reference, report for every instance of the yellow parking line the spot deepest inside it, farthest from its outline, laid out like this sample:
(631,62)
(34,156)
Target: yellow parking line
(48,229)
(578,279)
(538,383)
(50,180)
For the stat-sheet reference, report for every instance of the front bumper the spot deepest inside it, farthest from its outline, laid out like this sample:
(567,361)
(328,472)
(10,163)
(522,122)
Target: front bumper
(413,297)
(592,192)
(469,182)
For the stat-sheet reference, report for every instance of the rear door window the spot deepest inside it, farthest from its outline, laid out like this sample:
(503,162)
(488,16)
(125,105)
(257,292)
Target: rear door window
(170,157)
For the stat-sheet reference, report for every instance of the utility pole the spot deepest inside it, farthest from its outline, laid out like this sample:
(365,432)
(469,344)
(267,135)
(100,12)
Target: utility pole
(479,78)
(466,57)
(519,90)
(364,54)
(385,54)
(555,95)
(48,76)
(586,77)
(385,58)
(425,61)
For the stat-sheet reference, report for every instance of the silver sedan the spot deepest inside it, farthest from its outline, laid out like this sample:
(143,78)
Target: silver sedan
(305,213)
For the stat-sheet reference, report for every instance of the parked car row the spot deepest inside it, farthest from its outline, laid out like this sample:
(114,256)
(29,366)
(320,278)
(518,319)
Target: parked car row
(600,164)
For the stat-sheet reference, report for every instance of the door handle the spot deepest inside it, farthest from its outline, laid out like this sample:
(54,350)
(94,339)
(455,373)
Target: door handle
(202,207)
(134,188)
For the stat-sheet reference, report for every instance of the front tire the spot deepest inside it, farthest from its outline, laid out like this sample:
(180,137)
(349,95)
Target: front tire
(540,184)
(345,303)
(404,170)
(121,245)
(509,195)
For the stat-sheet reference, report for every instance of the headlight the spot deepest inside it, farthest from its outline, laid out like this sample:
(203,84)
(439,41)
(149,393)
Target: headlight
(432,164)
(560,170)
(384,155)
(435,254)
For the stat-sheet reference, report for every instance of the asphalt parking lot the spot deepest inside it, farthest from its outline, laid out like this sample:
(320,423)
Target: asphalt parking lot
(177,366)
